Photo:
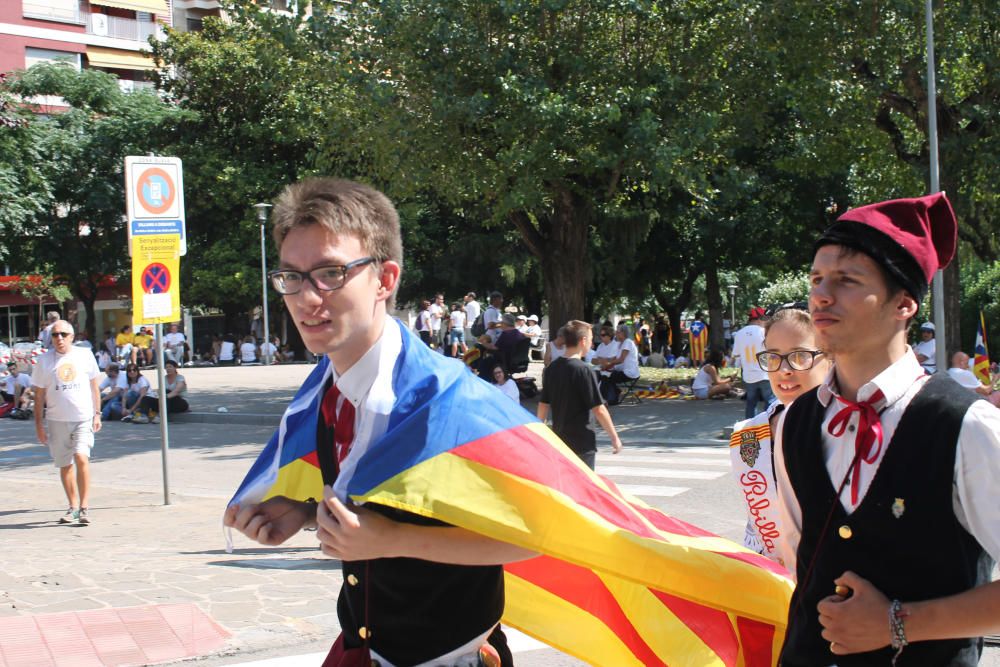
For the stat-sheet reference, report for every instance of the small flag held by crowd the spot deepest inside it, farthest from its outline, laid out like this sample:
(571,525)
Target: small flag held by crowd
(981,363)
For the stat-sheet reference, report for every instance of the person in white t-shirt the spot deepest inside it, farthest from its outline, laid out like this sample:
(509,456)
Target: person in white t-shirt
(556,348)
(17,387)
(456,334)
(138,388)
(534,332)
(506,384)
(174,343)
(607,350)
(926,348)
(68,414)
(493,316)
(438,314)
(269,351)
(748,342)
(472,310)
(248,351)
(112,388)
(227,351)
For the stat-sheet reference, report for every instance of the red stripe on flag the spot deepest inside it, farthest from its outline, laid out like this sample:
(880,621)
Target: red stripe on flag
(312,458)
(711,625)
(522,452)
(757,640)
(582,588)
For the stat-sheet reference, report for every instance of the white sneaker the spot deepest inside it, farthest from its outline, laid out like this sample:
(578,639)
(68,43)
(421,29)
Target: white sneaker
(140,419)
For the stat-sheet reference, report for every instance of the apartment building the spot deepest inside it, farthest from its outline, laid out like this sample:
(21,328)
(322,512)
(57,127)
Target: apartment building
(110,35)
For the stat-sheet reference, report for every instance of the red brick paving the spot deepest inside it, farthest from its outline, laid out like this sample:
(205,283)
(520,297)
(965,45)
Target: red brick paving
(109,637)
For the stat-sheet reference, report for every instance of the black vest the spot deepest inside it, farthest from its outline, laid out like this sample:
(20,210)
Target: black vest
(417,609)
(923,553)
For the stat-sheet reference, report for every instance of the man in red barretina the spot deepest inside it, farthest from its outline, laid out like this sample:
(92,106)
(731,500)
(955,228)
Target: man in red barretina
(886,475)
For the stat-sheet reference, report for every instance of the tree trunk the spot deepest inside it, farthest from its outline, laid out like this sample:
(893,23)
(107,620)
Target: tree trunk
(716,335)
(560,244)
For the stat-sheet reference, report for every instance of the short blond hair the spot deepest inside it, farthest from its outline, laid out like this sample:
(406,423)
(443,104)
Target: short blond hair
(344,208)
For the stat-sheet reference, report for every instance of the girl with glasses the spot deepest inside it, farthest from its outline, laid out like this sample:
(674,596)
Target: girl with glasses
(794,365)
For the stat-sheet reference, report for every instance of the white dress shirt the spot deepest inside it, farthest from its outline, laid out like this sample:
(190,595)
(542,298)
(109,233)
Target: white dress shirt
(977,456)
(368,386)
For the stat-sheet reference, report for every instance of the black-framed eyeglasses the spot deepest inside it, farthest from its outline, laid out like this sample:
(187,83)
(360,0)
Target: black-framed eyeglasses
(61,334)
(797,360)
(323,278)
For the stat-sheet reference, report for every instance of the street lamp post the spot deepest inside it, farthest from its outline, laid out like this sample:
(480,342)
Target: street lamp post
(262,218)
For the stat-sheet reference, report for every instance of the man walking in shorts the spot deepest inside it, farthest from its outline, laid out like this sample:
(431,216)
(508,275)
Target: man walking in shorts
(66,392)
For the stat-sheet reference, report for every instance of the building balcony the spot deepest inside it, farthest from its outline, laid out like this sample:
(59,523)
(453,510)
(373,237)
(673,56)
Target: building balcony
(115,27)
(101,25)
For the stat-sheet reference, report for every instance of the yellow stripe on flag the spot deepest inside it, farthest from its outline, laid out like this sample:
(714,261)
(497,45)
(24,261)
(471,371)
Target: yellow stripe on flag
(534,516)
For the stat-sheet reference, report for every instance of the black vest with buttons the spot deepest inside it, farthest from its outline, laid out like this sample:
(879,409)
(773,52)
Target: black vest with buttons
(903,537)
(416,609)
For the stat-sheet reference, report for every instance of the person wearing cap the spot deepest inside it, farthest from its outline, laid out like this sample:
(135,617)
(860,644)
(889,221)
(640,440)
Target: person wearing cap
(748,342)
(886,475)
(534,332)
(521,322)
(926,347)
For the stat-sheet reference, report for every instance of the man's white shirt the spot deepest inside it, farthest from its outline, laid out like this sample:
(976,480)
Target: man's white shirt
(977,456)
(66,381)
(472,310)
(747,343)
(927,348)
(630,365)
(11,382)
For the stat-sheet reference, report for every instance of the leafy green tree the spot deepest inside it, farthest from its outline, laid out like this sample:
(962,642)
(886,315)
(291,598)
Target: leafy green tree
(76,226)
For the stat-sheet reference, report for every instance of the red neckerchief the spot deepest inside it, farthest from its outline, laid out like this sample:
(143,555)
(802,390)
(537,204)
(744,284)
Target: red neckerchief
(869,431)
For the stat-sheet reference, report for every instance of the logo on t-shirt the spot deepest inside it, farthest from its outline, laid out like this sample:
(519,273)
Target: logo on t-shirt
(66,372)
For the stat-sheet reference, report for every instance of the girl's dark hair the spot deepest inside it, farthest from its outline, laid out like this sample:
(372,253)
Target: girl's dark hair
(170,362)
(715,357)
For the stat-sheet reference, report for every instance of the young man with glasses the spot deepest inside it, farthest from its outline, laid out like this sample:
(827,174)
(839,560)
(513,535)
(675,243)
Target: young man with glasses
(416,591)
(68,403)
(886,476)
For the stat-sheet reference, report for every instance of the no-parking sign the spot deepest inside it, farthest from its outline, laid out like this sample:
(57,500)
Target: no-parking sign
(154,198)
(155,267)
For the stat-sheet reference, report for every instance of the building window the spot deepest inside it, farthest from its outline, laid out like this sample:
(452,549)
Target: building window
(64,11)
(33,56)
(194,25)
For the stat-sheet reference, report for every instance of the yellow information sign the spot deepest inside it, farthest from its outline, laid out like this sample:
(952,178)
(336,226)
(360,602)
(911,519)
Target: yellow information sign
(156,294)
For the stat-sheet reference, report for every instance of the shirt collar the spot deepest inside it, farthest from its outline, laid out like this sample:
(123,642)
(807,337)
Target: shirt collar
(356,381)
(894,382)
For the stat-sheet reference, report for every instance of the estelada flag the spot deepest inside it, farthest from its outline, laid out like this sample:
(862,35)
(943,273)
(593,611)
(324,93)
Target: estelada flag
(981,361)
(618,582)
(698,336)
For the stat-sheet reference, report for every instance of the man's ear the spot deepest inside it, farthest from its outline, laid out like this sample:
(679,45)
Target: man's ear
(906,306)
(388,279)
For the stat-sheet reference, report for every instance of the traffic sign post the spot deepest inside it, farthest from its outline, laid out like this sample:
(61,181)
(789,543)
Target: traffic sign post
(154,201)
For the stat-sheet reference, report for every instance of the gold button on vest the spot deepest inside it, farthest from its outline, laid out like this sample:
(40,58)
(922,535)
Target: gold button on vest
(363,632)
(352,580)
(845,532)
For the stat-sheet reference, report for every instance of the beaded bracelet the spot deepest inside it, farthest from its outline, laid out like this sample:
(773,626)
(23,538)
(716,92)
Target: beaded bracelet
(896,630)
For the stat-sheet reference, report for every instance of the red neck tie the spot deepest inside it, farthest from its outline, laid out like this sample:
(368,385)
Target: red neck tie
(869,431)
(342,421)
